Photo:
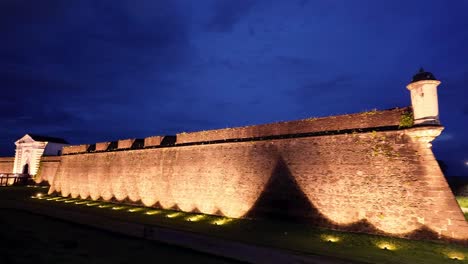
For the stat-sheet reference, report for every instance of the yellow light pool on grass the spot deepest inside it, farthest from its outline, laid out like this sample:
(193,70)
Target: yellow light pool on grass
(53,198)
(330,238)
(105,205)
(70,201)
(173,215)
(153,212)
(81,202)
(195,218)
(133,210)
(456,256)
(386,246)
(92,204)
(222,221)
(119,207)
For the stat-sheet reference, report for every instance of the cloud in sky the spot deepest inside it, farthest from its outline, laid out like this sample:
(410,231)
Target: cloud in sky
(101,70)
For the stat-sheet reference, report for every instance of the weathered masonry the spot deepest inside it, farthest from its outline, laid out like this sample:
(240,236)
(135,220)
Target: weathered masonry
(370,172)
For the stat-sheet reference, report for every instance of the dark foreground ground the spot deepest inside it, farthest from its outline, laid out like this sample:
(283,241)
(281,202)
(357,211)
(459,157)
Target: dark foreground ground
(29,238)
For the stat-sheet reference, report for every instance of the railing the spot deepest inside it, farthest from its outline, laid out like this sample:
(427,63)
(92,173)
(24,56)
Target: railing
(7,179)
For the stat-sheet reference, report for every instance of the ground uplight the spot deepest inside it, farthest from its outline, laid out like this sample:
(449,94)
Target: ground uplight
(386,246)
(195,218)
(173,215)
(153,212)
(133,210)
(456,256)
(118,207)
(330,238)
(221,221)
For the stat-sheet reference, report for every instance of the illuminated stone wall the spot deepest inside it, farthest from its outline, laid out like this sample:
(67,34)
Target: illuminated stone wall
(6,164)
(371,119)
(47,168)
(385,182)
(75,149)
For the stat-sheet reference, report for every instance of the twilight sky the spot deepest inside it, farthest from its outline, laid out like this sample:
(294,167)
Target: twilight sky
(91,71)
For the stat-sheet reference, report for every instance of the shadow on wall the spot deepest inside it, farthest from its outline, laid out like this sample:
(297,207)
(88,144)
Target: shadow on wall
(283,199)
(168,140)
(342,182)
(139,143)
(293,205)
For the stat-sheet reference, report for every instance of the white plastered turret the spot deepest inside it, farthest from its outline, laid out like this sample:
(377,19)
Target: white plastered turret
(424,98)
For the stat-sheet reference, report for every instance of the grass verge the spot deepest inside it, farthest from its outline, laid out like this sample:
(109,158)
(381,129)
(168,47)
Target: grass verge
(463,202)
(297,237)
(37,239)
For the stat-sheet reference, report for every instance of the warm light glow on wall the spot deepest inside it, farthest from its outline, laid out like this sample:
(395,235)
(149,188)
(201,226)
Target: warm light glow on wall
(346,179)
(195,184)
(117,178)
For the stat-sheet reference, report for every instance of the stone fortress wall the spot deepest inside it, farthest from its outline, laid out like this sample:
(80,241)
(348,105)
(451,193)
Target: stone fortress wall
(47,168)
(359,172)
(7,164)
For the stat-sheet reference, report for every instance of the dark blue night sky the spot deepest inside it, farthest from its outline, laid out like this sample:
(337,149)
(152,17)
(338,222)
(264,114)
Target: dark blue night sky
(91,71)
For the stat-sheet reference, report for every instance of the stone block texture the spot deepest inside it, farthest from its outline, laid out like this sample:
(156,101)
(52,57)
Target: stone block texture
(385,182)
(153,141)
(125,143)
(102,146)
(74,149)
(371,119)
(47,168)
(6,164)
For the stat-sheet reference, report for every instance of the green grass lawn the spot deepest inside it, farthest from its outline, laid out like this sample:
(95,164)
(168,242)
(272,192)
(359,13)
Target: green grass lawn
(463,202)
(29,238)
(296,237)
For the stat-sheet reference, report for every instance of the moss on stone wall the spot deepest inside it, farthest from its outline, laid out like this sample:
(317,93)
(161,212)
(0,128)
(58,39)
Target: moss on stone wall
(407,119)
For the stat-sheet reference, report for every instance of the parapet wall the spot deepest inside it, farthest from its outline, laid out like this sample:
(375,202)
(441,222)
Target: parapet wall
(371,119)
(384,182)
(74,149)
(6,164)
